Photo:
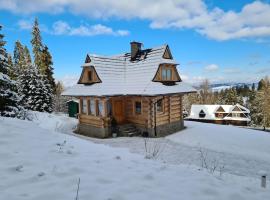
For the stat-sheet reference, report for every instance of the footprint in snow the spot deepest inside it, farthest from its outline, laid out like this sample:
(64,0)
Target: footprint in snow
(40,174)
(19,168)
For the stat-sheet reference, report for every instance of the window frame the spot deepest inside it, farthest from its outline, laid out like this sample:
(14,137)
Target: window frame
(236,115)
(161,107)
(166,73)
(84,106)
(92,110)
(135,107)
(100,112)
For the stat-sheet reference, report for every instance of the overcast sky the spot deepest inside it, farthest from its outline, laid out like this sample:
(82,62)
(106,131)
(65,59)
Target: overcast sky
(224,41)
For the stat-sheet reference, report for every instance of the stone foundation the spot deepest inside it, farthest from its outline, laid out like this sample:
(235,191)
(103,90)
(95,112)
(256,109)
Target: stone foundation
(92,131)
(164,130)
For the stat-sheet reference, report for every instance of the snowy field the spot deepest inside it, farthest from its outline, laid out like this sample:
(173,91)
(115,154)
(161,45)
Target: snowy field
(39,162)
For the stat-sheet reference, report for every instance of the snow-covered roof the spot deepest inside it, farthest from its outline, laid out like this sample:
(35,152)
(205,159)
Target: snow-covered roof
(210,111)
(121,76)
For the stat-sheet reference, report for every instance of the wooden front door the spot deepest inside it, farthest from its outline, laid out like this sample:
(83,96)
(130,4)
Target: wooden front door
(118,110)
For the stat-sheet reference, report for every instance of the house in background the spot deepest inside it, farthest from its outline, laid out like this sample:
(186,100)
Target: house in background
(220,114)
(140,89)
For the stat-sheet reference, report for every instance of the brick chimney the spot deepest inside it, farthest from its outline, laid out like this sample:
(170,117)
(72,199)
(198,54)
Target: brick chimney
(135,49)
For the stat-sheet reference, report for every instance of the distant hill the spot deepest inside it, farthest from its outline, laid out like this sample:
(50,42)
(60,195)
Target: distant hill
(222,86)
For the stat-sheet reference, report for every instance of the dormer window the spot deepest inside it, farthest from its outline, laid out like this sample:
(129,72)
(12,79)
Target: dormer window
(89,76)
(202,114)
(166,74)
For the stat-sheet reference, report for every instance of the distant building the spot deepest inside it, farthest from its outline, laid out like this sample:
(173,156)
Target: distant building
(220,114)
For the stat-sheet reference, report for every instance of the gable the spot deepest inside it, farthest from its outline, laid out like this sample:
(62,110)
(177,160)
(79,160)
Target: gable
(174,76)
(89,76)
(236,108)
(220,110)
(167,53)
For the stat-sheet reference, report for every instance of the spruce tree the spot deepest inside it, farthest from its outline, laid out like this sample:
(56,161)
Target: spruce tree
(36,93)
(18,58)
(47,65)
(11,71)
(8,97)
(37,47)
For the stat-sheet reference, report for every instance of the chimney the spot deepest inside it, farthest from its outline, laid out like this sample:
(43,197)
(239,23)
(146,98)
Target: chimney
(135,49)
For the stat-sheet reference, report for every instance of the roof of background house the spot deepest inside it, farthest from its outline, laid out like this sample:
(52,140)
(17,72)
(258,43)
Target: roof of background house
(210,111)
(121,76)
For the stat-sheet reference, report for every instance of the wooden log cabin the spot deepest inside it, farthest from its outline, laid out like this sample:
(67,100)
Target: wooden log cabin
(141,88)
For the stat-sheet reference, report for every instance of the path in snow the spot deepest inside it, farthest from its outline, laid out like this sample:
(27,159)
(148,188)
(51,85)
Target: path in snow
(175,153)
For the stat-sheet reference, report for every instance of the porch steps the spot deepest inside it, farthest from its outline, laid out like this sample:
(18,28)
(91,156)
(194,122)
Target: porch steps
(128,130)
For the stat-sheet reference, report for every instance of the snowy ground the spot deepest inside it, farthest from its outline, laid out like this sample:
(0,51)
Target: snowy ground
(36,162)
(238,151)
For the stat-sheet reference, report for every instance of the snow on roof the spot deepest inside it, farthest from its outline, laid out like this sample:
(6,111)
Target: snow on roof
(121,76)
(210,111)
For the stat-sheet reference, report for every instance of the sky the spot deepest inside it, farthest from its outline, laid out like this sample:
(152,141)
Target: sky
(221,40)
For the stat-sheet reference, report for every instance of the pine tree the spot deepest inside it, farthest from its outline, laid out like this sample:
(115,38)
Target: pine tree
(37,47)
(47,66)
(8,97)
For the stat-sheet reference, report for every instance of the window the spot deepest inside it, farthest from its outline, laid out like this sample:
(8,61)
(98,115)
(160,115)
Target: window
(219,115)
(202,114)
(138,107)
(100,111)
(166,74)
(90,76)
(109,108)
(236,115)
(160,105)
(92,107)
(84,106)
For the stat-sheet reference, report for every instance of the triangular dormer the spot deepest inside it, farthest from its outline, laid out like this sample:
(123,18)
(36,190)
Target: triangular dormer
(202,114)
(220,110)
(236,109)
(167,53)
(89,76)
(167,73)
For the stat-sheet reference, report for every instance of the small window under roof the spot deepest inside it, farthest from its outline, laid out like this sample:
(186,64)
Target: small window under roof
(202,114)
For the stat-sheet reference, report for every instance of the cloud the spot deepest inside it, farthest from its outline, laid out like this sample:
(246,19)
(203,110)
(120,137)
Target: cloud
(211,68)
(232,71)
(252,21)
(25,24)
(63,28)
